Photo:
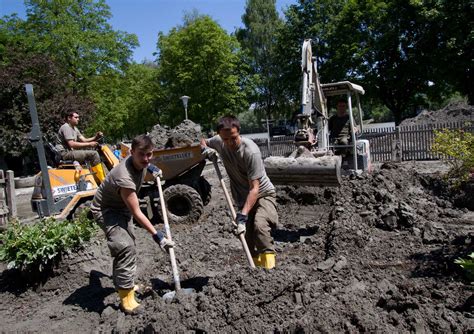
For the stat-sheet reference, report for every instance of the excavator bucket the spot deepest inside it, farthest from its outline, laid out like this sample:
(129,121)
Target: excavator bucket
(305,170)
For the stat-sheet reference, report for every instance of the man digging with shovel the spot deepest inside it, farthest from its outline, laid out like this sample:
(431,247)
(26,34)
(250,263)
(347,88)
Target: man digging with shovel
(114,205)
(252,190)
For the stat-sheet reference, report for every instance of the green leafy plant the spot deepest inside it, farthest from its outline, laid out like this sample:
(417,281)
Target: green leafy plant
(457,150)
(36,246)
(468,265)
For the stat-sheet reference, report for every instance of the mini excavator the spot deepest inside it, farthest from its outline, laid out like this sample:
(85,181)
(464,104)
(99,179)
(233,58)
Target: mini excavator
(313,162)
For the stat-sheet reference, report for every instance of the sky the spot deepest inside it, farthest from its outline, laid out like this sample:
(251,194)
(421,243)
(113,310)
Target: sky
(145,18)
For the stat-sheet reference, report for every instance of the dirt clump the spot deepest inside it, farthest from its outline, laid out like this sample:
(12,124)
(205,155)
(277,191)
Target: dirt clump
(374,255)
(453,112)
(184,134)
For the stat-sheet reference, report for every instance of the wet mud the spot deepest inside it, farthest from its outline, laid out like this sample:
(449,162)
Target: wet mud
(374,255)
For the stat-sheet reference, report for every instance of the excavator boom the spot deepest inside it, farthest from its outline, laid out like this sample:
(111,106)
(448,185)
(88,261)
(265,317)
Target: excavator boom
(312,163)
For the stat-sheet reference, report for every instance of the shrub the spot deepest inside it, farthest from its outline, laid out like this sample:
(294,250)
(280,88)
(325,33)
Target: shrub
(34,247)
(468,265)
(457,150)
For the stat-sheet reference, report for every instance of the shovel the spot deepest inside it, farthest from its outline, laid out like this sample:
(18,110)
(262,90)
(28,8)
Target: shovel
(174,267)
(232,210)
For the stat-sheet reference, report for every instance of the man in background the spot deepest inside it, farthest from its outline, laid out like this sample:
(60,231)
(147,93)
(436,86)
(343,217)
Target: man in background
(74,146)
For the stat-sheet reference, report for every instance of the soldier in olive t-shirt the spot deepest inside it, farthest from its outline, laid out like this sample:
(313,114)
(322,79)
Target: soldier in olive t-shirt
(252,190)
(113,206)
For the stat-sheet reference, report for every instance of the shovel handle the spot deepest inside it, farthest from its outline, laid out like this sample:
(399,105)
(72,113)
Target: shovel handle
(232,210)
(174,267)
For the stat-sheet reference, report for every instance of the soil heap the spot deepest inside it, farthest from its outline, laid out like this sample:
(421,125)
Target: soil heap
(453,112)
(374,255)
(182,135)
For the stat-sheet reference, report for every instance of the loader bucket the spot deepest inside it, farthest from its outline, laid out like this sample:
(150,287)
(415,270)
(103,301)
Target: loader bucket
(323,171)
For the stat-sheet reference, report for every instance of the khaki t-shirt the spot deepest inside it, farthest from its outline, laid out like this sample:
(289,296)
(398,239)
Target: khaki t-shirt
(66,133)
(243,165)
(125,175)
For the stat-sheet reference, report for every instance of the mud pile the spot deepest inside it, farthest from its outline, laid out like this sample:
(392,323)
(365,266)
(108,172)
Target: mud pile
(375,255)
(184,134)
(453,112)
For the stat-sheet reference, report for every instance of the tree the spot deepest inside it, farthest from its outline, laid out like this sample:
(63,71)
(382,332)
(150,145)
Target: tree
(258,41)
(306,19)
(53,100)
(126,104)
(200,60)
(76,35)
(450,22)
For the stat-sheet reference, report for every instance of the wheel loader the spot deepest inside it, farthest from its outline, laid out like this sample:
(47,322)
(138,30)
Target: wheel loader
(313,161)
(69,186)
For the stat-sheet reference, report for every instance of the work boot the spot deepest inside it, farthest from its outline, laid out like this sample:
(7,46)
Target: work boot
(128,304)
(257,260)
(267,260)
(99,173)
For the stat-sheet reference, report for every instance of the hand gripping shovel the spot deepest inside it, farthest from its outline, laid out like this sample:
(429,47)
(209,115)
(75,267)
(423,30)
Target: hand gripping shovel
(174,267)
(232,210)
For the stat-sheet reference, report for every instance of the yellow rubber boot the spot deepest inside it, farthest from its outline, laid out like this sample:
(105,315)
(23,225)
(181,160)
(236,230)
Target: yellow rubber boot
(99,172)
(257,260)
(268,260)
(128,304)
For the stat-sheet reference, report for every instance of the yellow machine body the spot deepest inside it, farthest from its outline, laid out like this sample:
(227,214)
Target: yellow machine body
(172,161)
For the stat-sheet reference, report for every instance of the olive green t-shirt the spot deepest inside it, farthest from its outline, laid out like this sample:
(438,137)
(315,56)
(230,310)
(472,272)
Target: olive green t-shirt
(66,133)
(243,165)
(125,175)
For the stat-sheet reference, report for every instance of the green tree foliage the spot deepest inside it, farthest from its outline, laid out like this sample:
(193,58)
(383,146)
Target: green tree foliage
(452,31)
(76,34)
(53,100)
(126,104)
(405,53)
(61,48)
(305,19)
(200,60)
(258,41)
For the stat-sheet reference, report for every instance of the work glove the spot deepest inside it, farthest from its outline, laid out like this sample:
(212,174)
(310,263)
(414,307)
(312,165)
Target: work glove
(164,243)
(155,171)
(241,221)
(210,153)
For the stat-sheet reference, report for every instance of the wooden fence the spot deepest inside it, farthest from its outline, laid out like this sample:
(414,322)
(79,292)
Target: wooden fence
(411,142)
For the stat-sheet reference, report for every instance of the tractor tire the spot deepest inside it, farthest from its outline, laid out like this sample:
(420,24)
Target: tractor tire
(80,209)
(205,190)
(184,204)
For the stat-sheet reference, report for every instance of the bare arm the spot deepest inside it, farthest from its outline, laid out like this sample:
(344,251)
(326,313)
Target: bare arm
(251,197)
(79,144)
(131,200)
(97,136)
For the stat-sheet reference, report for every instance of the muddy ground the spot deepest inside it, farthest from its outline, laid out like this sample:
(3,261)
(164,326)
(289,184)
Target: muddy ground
(375,255)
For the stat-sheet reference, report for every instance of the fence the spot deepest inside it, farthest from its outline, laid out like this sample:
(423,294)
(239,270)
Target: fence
(7,197)
(412,142)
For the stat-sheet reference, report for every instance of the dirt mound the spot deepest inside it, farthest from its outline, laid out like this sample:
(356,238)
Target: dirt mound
(184,134)
(453,112)
(375,255)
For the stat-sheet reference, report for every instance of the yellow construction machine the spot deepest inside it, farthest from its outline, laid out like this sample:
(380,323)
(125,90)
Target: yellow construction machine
(313,162)
(69,186)
(61,189)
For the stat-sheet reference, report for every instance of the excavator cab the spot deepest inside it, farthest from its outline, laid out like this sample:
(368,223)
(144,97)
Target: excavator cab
(358,157)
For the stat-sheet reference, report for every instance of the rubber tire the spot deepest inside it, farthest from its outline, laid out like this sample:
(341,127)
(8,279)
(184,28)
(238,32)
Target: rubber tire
(80,208)
(184,204)
(205,190)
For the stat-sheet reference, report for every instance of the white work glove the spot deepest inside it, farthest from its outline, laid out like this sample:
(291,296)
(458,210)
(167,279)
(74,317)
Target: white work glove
(164,243)
(155,171)
(241,221)
(210,153)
